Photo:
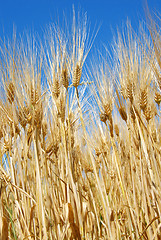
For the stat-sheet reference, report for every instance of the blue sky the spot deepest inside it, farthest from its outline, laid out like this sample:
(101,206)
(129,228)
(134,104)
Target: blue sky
(35,15)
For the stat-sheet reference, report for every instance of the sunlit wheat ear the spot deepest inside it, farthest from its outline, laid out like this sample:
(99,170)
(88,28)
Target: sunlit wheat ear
(77,75)
(132,114)
(56,86)
(123,113)
(21,115)
(65,77)
(32,96)
(157,98)
(108,109)
(143,98)
(123,91)
(130,91)
(10,92)
(5,178)
(149,112)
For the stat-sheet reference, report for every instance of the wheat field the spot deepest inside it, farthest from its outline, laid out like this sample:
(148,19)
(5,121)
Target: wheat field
(80,141)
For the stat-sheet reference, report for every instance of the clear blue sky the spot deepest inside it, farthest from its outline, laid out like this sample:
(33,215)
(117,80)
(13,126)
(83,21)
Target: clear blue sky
(35,15)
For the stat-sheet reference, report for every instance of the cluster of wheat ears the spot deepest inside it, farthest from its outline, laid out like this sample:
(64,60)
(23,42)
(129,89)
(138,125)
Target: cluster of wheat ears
(80,143)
